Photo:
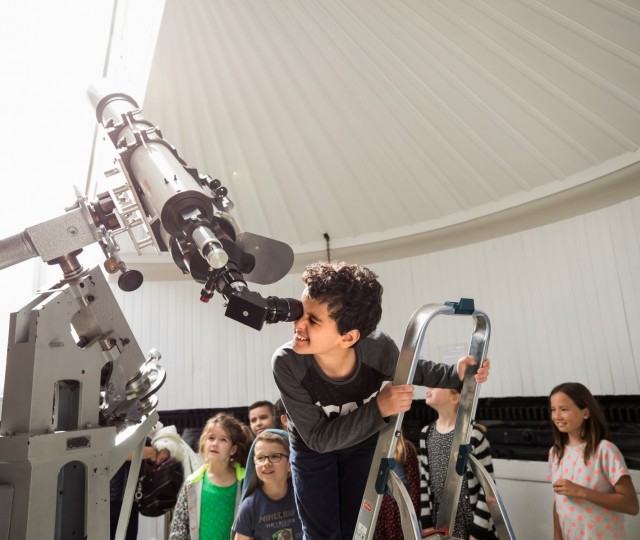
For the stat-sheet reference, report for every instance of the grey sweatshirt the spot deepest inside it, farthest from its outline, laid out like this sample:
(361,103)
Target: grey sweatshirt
(328,415)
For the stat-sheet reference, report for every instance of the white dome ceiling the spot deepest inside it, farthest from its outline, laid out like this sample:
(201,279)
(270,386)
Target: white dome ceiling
(399,127)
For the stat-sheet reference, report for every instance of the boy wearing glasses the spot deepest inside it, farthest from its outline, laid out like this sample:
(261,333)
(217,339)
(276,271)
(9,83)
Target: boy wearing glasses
(334,379)
(268,510)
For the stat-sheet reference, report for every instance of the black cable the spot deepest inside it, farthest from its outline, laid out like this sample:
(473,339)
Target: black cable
(328,240)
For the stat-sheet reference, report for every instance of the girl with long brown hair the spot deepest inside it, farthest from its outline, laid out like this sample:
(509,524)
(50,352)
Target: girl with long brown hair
(591,484)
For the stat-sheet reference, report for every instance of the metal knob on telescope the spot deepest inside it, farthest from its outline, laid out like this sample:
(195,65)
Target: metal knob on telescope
(130,280)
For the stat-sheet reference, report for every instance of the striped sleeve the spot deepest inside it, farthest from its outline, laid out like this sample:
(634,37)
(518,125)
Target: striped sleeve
(426,503)
(482,522)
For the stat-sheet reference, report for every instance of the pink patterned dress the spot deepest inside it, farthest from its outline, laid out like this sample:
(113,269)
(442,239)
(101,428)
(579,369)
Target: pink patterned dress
(580,519)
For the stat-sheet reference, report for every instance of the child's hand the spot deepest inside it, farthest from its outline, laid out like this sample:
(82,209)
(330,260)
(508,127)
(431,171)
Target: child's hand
(395,399)
(568,488)
(481,375)
(432,532)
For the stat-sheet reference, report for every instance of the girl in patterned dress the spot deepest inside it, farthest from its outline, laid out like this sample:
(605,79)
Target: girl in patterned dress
(473,519)
(209,497)
(591,484)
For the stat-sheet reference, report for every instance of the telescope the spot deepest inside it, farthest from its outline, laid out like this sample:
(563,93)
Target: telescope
(179,211)
(193,225)
(79,394)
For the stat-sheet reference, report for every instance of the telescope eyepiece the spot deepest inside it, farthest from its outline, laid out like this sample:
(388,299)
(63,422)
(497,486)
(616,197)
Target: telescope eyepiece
(283,309)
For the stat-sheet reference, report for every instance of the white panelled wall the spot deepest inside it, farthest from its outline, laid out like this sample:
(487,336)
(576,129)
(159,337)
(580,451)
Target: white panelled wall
(564,302)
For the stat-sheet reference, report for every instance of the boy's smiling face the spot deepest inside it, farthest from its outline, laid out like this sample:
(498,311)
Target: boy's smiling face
(316,332)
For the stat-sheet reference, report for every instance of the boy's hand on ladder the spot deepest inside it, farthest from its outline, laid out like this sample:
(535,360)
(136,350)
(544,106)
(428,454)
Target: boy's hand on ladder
(395,399)
(483,372)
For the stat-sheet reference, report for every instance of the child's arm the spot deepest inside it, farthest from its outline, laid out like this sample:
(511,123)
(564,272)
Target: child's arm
(426,519)
(434,375)
(623,499)
(324,435)
(481,513)
(481,448)
(244,521)
(399,398)
(316,429)
(448,376)
(180,521)
(332,428)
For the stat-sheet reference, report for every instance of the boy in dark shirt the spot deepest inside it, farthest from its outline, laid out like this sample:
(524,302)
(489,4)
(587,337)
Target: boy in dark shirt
(334,379)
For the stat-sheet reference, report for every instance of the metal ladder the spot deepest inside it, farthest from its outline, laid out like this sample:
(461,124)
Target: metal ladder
(382,475)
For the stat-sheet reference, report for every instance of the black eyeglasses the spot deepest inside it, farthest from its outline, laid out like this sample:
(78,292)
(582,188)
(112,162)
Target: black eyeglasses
(273,458)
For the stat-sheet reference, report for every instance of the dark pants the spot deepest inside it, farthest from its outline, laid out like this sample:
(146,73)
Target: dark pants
(328,485)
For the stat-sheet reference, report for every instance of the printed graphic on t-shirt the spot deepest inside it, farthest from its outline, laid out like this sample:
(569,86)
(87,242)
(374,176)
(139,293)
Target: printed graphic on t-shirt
(338,398)
(279,524)
(284,534)
(262,518)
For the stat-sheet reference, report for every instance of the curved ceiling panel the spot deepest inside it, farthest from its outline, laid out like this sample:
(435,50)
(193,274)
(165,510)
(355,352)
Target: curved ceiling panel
(386,122)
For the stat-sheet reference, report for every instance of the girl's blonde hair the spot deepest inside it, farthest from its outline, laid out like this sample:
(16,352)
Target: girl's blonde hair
(400,455)
(237,432)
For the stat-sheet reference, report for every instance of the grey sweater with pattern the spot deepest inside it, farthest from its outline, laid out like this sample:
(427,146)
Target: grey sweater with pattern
(328,415)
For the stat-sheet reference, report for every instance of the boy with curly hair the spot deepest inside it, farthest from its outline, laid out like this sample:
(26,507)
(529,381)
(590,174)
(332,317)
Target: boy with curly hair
(335,379)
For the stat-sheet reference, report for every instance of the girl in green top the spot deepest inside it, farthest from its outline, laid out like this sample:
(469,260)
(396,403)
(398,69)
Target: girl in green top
(209,497)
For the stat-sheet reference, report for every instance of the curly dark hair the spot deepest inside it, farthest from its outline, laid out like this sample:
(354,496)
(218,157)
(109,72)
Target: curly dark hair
(352,293)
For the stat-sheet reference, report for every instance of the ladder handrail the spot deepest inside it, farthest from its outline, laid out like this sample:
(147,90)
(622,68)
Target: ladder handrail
(382,462)
(494,501)
(460,449)
(408,519)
